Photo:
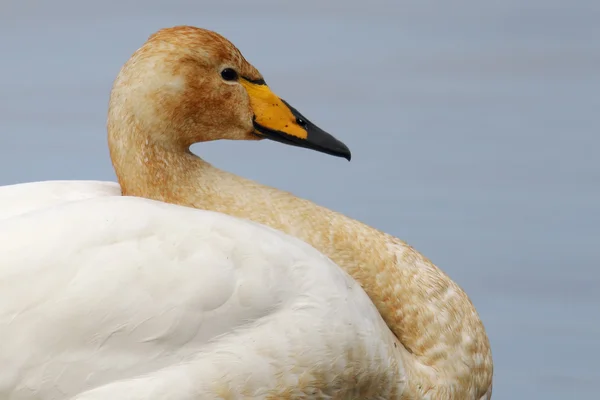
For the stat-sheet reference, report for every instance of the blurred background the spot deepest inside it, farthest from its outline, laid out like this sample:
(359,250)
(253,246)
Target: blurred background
(473,126)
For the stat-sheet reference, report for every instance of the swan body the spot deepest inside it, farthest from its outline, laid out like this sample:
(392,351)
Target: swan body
(187,85)
(156,301)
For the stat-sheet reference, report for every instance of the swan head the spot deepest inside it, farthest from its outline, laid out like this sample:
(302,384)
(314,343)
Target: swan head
(187,85)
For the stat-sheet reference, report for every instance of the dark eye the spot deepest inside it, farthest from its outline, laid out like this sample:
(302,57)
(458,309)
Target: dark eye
(301,122)
(229,74)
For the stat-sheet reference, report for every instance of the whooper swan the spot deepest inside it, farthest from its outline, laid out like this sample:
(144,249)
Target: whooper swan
(153,300)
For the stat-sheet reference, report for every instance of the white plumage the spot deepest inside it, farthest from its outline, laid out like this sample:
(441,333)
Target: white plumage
(151,300)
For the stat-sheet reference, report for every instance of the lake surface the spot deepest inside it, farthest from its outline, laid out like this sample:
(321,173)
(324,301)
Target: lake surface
(474,130)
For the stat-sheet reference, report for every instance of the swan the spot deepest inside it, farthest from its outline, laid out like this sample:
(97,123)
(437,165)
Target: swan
(187,85)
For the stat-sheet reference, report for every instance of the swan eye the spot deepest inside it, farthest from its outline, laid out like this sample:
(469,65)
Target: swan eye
(301,122)
(229,74)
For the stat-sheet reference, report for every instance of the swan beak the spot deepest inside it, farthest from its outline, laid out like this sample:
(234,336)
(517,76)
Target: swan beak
(275,119)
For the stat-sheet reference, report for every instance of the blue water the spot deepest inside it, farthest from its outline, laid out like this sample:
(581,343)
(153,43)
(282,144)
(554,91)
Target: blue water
(474,130)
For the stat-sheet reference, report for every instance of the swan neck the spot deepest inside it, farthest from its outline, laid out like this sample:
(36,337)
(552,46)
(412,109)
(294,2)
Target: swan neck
(146,167)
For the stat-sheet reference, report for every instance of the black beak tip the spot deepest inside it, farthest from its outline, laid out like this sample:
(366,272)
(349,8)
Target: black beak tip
(346,154)
(340,149)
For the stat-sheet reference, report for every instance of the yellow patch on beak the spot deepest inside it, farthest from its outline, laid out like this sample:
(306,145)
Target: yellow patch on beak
(276,120)
(270,112)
